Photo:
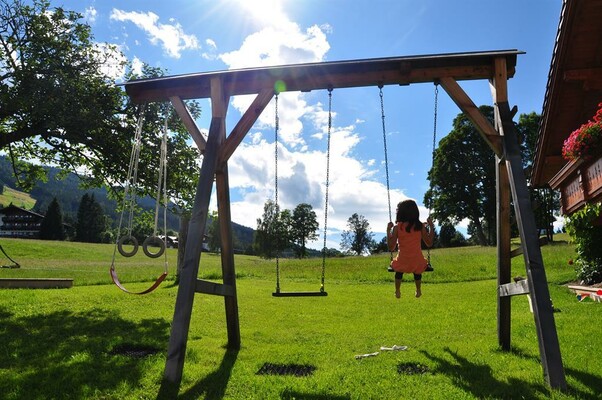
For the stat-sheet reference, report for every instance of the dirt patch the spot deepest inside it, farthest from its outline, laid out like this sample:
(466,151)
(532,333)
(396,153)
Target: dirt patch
(410,368)
(133,350)
(286,369)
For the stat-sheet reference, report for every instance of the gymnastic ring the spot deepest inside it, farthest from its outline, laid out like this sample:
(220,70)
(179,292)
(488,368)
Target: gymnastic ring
(123,240)
(153,240)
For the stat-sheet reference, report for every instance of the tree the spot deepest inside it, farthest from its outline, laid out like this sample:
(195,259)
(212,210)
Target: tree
(52,225)
(380,247)
(91,220)
(273,233)
(60,108)
(303,228)
(545,201)
(213,232)
(358,238)
(57,105)
(265,234)
(450,237)
(463,179)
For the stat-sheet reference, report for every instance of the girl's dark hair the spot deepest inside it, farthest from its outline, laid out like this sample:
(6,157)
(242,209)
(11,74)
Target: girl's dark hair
(407,211)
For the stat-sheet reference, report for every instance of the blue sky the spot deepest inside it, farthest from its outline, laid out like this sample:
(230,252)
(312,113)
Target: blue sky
(199,36)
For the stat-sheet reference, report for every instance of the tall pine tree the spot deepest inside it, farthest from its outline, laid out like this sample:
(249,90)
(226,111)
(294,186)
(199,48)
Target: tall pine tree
(91,221)
(52,225)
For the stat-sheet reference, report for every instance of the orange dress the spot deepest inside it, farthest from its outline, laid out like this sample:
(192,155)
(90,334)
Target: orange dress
(409,258)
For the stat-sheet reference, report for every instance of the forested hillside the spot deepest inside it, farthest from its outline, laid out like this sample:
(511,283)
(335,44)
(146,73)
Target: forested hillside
(69,194)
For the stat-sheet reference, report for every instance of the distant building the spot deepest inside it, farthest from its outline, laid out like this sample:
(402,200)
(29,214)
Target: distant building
(17,222)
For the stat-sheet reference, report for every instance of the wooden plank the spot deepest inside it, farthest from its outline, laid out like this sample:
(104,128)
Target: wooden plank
(467,106)
(245,123)
(514,289)
(585,288)
(189,123)
(549,347)
(36,283)
(504,262)
(214,288)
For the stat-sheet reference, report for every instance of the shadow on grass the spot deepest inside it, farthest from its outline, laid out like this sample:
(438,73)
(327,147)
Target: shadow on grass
(213,386)
(590,380)
(593,382)
(66,355)
(478,379)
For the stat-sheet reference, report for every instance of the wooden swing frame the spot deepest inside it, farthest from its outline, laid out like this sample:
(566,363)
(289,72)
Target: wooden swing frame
(494,66)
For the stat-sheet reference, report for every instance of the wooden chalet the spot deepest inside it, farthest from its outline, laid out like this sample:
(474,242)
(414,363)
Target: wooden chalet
(573,92)
(17,222)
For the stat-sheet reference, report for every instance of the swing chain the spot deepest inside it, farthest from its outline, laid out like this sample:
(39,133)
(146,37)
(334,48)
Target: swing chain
(382,113)
(276,128)
(327,186)
(428,250)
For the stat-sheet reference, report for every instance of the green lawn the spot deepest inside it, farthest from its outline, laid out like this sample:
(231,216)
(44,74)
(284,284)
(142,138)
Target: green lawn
(69,343)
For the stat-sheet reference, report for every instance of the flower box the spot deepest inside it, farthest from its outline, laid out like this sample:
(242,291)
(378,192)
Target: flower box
(579,182)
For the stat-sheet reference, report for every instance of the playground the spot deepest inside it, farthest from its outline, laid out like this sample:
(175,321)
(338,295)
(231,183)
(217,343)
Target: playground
(93,341)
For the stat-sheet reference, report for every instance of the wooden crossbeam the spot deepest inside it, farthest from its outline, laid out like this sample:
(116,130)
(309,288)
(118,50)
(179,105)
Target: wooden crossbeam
(514,289)
(484,127)
(245,123)
(213,288)
(188,122)
(317,76)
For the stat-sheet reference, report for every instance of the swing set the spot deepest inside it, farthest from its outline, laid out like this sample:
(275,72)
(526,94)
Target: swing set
(495,67)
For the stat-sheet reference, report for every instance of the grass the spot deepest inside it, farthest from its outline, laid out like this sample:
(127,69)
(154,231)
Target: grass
(61,344)
(17,198)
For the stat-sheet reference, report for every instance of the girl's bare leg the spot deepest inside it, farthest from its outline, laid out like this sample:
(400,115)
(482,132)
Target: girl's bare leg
(398,288)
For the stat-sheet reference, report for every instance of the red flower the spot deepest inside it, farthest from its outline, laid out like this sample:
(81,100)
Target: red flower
(586,141)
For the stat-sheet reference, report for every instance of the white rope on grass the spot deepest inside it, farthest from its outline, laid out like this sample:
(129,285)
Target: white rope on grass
(382,348)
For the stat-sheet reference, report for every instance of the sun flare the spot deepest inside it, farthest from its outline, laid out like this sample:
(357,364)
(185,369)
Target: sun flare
(265,12)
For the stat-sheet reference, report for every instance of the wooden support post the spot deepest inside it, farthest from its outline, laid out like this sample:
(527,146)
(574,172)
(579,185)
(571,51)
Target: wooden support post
(503,254)
(227,252)
(176,349)
(549,347)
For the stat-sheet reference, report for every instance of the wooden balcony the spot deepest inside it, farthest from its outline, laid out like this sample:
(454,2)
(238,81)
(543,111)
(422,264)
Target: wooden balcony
(579,182)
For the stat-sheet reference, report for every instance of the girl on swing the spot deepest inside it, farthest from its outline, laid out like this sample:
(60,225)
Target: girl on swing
(407,234)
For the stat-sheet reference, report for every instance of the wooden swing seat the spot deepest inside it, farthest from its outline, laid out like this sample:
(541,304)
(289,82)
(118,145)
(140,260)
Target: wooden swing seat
(299,294)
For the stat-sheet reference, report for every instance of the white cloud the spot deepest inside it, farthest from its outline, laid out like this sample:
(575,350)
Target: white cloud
(137,65)
(170,36)
(90,15)
(211,54)
(354,185)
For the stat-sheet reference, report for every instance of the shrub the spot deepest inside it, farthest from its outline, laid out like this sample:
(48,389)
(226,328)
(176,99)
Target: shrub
(586,232)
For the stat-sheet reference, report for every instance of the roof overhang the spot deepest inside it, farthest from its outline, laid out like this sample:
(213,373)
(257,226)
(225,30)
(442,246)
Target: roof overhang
(574,86)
